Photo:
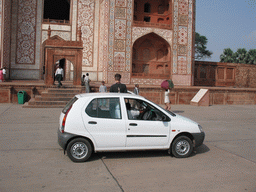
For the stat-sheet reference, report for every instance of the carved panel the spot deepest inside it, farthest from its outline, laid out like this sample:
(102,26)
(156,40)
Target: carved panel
(26,32)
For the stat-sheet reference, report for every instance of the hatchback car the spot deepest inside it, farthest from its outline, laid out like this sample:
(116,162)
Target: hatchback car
(96,122)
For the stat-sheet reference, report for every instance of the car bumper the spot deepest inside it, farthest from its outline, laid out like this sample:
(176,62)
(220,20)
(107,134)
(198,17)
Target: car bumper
(199,138)
(63,138)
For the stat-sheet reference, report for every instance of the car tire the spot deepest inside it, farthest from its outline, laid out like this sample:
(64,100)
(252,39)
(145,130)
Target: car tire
(79,150)
(182,147)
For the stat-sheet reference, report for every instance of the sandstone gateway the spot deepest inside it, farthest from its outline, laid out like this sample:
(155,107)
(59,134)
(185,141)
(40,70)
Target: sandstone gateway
(145,41)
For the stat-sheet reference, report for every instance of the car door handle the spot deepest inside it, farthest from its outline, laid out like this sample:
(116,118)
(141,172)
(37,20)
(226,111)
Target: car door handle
(133,124)
(92,122)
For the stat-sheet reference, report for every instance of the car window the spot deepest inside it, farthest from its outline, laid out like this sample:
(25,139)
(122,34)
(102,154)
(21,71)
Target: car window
(140,110)
(104,108)
(69,104)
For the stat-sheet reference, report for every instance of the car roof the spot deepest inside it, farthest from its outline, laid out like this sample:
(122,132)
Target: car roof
(107,94)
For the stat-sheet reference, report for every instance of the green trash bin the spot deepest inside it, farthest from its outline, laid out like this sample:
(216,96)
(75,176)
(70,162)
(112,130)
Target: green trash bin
(21,97)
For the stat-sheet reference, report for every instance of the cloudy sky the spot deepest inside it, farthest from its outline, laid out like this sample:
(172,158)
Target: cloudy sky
(226,24)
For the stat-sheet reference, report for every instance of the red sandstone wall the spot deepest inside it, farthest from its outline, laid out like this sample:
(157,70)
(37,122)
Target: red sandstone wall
(245,75)
(178,95)
(216,74)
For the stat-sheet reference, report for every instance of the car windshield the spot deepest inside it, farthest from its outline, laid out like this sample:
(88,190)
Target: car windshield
(171,113)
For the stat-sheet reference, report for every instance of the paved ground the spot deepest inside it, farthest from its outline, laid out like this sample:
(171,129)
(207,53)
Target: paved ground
(31,160)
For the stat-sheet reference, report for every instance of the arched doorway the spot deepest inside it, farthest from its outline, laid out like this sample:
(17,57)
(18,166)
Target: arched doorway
(69,55)
(68,68)
(151,57)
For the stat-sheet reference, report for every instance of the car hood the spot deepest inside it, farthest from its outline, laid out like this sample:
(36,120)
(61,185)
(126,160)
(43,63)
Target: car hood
(185,119)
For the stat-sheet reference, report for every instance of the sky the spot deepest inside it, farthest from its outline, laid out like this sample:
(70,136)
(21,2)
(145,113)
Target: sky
(226,24)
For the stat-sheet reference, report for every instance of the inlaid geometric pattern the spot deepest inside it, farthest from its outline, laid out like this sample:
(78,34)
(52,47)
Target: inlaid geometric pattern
(103,41)
(175,36)
(183,35)
(26,33)
(183,20)
(190,35)
(6,32)
(182,49)
(86,22)
(120,29)
(183,7)
(64,35)
(129,39)
(182,65)
(121,3)
(119,61)
(111,35)
(120,13)
(138,32)
(119,45)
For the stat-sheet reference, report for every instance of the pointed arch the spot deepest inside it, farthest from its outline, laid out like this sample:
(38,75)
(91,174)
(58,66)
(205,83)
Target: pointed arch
(152,57)
(139,32)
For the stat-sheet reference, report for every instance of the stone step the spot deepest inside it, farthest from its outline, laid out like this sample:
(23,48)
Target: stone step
(26,105)
(61,90)
(48,103)
(40,98)
(63,95)
(53,98)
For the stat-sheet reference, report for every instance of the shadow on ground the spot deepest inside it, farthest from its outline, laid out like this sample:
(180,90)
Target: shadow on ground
(142,154)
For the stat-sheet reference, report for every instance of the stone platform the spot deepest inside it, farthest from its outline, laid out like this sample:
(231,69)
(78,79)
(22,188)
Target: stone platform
(178,95)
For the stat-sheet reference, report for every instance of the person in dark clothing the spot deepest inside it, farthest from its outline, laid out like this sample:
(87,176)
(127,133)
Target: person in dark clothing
(118,87)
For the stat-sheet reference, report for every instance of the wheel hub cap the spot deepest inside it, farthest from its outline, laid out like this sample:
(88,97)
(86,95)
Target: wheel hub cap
(79,150)
(182,147)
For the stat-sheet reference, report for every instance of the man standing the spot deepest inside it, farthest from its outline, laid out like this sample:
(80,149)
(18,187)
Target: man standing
(59,75)
(136,89)
(4,74)
(118,87)
(87,83)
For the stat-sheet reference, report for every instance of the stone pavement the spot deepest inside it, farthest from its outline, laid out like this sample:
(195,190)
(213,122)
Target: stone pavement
(31,160)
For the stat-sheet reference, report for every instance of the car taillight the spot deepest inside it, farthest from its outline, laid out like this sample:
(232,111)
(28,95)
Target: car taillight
(64,120)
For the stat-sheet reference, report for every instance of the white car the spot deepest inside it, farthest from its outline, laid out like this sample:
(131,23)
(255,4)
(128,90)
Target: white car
(96,122)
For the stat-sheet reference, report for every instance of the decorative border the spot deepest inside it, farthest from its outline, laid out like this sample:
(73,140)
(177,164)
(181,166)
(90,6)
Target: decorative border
(175,36)
(190,37)
(111,34)
(26,32)
(85,18)
(129,37)
(6,33)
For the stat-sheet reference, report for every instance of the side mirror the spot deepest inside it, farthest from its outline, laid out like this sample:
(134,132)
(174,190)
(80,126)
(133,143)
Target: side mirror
(164,118)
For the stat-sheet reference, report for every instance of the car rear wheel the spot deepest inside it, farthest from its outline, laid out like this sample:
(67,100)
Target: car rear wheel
(182,147)
(79,150)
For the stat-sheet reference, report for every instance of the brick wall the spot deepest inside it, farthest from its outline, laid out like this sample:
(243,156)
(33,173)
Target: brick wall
(216,74)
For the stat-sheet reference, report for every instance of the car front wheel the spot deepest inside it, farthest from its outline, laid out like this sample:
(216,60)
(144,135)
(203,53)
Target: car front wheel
(79,150)
(182,147)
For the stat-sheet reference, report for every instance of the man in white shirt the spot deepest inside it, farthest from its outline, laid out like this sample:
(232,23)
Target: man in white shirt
(4,73)
(59,75)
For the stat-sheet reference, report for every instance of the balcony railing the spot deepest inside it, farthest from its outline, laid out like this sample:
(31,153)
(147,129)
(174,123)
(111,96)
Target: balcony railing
(57,22)
(150,76)
(149,24)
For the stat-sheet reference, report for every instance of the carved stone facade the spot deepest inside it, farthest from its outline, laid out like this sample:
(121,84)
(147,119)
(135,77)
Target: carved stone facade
(111,33)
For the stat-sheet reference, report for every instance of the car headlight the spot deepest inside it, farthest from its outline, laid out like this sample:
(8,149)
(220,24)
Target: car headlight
(200,128)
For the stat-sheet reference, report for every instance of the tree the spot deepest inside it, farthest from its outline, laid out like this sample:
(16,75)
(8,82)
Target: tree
(240,56)
(227,56)
(200,47)
(251,56)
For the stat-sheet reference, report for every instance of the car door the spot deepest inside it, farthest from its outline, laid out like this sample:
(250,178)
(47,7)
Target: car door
(145,125)
(103,120)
